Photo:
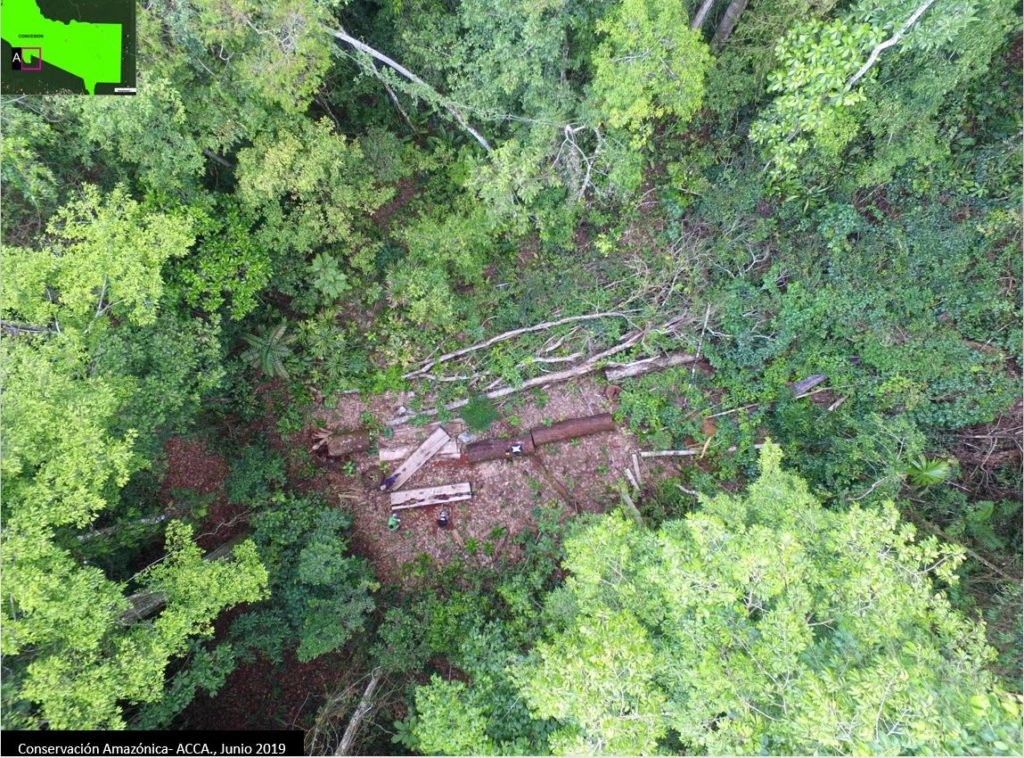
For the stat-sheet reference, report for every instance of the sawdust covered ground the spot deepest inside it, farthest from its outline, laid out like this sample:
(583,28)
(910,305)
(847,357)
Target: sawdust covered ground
(576,476)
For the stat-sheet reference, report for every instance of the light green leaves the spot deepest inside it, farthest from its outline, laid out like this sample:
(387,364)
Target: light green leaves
(328,276)
(104,257)
(925,472)
(60,465)
(650,65)
(816,59)
(597,679)
(309,183)
(87,662)
(449,722)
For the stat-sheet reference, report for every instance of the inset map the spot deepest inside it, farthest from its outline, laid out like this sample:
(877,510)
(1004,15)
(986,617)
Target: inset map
(67,47)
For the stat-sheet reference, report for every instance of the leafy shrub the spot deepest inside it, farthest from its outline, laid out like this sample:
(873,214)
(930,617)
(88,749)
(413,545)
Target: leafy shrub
(479,414)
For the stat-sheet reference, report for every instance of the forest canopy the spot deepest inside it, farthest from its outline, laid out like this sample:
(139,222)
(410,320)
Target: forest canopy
(770,252)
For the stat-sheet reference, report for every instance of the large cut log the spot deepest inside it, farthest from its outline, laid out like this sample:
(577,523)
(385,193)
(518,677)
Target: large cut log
(572,428)
(448,493)
(431,446)
(646,366)
(492,450)
(449,452)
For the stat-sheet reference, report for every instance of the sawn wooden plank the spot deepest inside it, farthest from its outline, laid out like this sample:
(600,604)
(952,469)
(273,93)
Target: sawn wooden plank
(448,493)
(415,462)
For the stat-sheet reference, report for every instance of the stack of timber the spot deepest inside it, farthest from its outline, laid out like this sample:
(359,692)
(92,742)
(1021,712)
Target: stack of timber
(449,452)
(438,444)
(430,447)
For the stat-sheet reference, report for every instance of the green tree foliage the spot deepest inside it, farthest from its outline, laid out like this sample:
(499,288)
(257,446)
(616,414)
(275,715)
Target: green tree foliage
(230,266)
(104,255)
(825,73)
(765,623)
(649,65)
(277,203)
(85,303)
(269,349)
(320,595)
(450,723)
(308,184)
(276,48)
(66,618)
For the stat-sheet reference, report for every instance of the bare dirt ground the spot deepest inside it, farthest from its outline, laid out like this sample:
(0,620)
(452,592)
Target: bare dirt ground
(575,476)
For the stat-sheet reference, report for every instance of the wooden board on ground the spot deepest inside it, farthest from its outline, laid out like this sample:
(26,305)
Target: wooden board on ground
(431,445)
(448,493)
(449,452)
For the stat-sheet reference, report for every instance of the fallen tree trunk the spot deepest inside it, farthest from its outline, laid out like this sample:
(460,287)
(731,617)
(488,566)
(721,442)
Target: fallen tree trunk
(340,445)
(572,428)
(145,604)
(646,366)
(108,530)
(801,388)
(365,703)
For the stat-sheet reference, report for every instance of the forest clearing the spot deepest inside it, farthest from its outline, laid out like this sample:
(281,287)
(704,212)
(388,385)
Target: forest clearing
(518,377)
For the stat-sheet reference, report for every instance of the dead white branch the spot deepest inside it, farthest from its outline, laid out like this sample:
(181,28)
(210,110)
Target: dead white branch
(365,703)
(429,364)
(883,46)
(686,452)
(362,47)
(646,366)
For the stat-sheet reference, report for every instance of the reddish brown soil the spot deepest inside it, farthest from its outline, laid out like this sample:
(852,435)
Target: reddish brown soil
(404,193)
(192,466)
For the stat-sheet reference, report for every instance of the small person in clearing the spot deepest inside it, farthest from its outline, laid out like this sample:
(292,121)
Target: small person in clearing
(394,522)
(442,519)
